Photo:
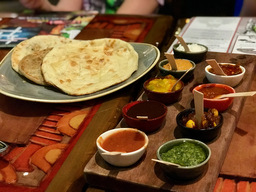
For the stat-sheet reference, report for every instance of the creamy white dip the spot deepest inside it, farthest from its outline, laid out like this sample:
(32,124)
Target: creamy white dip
(192,47)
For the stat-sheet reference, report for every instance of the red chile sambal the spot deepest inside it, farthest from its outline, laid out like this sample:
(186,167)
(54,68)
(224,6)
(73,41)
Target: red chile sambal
(213,91)
(229,69)
(124,141)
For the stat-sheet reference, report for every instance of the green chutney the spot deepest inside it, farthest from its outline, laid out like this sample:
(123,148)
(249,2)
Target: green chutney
(185,154)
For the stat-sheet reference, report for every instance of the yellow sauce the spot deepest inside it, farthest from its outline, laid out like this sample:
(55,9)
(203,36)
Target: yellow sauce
(182,65)
(163,85)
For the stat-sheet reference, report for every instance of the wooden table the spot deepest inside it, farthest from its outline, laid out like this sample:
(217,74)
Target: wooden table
(70,176)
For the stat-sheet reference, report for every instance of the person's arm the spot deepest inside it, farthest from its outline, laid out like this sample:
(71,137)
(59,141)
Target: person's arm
(138,7)
(45,5)
(249,8)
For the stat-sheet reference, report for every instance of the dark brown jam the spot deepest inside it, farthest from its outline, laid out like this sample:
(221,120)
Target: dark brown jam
(151,109)
(229,69)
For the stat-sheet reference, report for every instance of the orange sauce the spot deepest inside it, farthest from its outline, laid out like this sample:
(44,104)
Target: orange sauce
(182,65)
(212,91)
(123,141)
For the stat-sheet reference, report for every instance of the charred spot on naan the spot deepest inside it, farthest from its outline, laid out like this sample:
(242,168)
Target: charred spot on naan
(107,51)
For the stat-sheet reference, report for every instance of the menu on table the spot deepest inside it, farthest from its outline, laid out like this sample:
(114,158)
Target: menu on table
(222,34)
(14,30)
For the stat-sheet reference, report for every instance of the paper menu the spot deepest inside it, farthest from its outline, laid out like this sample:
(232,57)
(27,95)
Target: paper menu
(222,34)
(15,30)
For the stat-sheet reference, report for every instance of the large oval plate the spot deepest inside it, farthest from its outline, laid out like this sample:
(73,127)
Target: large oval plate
(16,86)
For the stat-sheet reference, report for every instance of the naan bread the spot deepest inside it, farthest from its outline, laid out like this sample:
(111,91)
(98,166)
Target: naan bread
(84,67)
(30,66)
(33,45)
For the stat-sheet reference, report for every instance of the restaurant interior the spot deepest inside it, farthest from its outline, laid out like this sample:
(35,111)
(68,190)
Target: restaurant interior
(99,102)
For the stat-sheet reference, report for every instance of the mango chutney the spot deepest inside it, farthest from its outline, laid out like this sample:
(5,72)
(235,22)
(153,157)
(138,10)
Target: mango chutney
(163,85)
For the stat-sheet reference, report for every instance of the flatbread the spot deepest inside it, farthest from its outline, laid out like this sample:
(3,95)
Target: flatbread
(30,66)
(33,45)
(84,67)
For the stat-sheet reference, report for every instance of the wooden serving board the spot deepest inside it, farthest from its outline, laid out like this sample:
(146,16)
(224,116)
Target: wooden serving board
(146,175)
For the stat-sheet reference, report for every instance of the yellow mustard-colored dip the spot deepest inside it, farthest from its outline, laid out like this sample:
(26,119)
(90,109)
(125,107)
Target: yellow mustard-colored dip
(182,65)
(163,85)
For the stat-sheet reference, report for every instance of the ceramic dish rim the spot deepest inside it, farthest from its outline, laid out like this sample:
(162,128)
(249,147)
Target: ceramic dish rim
(120,129)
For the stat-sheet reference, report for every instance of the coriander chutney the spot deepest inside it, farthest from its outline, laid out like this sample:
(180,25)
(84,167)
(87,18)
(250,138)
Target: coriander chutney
(185,154)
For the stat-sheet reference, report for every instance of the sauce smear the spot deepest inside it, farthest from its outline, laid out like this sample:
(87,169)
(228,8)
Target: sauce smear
(123,141)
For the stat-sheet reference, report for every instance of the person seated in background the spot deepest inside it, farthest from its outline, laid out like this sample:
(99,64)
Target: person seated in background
(248,8)
(140,7)
(176,8)
(190,8)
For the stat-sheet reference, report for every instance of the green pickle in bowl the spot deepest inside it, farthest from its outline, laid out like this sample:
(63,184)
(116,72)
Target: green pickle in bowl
(190,155)
(185,154)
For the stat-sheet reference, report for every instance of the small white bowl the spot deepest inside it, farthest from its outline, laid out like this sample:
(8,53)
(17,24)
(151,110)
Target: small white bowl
(232,81)
(121,159)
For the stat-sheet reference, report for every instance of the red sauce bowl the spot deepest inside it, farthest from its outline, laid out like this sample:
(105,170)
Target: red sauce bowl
(154,110)
(219,104)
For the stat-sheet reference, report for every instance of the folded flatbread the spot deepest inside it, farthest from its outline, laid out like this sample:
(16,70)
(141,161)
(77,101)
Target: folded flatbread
(30,66)
(33,45)
(84,67)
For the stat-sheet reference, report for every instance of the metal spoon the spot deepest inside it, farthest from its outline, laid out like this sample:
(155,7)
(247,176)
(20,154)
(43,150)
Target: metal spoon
(180,79)
(166,162)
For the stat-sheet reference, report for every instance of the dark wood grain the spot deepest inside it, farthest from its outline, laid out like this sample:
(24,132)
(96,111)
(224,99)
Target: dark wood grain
(146,175)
